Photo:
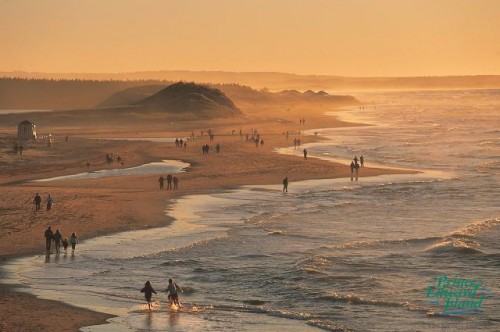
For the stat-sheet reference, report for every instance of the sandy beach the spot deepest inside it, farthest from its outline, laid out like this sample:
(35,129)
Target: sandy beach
(95,207)
(276,228)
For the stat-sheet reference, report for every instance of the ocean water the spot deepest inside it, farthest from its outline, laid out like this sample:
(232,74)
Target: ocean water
(340,255)
(163,167)
(21,111)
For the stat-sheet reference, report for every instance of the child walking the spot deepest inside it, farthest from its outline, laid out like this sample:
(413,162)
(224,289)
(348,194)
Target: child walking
(74,240)
(148,293)
(65,245)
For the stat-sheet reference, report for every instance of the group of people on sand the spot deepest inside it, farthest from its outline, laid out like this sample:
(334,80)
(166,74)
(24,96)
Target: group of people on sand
(254,137)
(172,291)
(18,147)
(110,157)
(170,180)
(296,142)
(355,166)
(37,201)
(180,143)
(205,148)
(57,238)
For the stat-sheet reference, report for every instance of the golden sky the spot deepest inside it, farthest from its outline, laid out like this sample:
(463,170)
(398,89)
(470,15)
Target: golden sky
(331,37)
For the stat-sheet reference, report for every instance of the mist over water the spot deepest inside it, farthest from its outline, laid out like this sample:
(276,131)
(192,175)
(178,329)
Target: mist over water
(331,254)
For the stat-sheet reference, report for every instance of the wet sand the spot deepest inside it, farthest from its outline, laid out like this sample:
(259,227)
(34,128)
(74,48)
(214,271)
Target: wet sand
(95,207)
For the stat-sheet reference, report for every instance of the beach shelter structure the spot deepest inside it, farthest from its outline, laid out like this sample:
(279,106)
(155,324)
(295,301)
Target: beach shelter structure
(26,130)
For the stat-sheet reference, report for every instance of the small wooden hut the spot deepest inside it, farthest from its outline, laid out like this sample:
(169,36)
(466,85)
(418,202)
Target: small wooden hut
(26,131)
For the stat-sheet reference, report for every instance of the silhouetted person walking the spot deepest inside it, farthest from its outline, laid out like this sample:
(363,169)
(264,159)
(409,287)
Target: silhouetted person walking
(148,293)
(65,245)
(37,201)
(171,290)
(57,241)
(285,184)
(50,201)
(49,236)
(169,182)
(73,240)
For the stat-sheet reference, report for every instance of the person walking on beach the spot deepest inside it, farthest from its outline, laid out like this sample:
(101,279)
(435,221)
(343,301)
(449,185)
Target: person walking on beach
(148,293)
(160,181)
(37,201)
(171,290)
(175,180)
(57,241)
(74,240)
(305,154)
(352,167)
(362,160)
(49,236)
(65,245)
(49,202)
(285,184)
(169,182)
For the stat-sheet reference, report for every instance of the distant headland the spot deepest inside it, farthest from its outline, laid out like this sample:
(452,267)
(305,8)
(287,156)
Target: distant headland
(277,81)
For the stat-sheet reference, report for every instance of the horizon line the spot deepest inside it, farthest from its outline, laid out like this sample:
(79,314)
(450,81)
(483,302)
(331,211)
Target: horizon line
(3,72)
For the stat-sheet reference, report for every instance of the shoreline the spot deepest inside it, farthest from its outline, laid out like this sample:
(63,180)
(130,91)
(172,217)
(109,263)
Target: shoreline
(299,187)
(102,318)
(201,177)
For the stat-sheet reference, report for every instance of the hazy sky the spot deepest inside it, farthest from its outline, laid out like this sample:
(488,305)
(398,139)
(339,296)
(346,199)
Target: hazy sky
(334,37)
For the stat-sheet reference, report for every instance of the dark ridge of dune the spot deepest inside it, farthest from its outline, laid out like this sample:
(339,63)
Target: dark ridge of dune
(239,94)
(137,94)
(196,99)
